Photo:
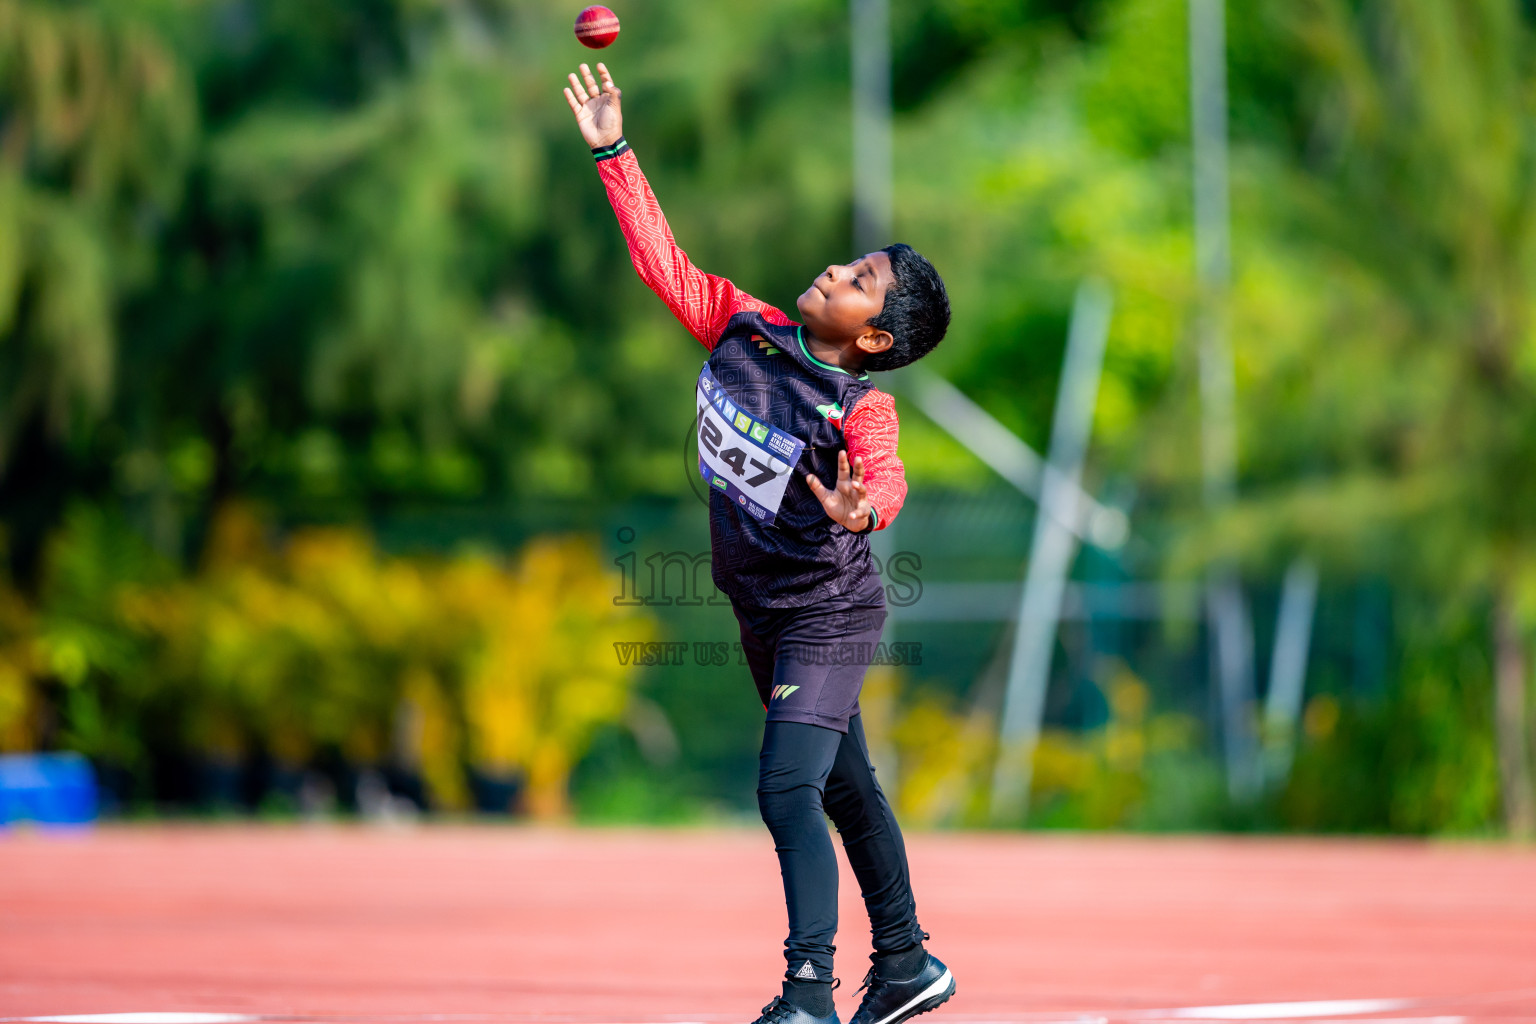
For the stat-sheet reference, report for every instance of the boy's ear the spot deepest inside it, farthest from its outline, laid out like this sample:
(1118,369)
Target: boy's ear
(874,341)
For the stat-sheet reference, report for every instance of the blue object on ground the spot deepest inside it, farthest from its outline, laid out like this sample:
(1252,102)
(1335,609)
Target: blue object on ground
(50,789)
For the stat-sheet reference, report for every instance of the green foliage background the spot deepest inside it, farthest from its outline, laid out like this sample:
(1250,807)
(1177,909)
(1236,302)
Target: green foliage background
(350,262)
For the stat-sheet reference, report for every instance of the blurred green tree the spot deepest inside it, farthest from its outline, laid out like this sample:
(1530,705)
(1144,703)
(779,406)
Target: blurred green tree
(1380,316)
(351,258)
(97,120)
(1389,413)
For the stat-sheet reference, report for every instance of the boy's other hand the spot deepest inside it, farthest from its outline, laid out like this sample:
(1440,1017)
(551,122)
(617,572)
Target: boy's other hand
(596,108)
(848,505)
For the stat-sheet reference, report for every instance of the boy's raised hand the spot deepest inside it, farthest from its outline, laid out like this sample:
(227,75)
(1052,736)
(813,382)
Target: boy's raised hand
(848,505)
(596,109)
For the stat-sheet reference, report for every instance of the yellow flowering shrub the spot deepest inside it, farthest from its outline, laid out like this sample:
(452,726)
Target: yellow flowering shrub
(1093,779)
(18,671)
(945,762)
(542,674)
(324,642)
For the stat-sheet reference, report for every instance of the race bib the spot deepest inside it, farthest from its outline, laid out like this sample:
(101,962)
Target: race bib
(747,460)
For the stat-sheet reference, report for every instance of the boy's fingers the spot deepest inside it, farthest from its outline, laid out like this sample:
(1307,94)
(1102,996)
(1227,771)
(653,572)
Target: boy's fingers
(817,488)
(842,468)
(577,87)
(586,73)
(602,69)
(570,98)
(858,469)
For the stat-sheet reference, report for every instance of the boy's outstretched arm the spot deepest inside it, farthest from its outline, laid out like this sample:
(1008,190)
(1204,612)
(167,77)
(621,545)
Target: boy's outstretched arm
(703,302)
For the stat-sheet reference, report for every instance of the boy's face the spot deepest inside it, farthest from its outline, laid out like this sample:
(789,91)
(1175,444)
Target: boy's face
(838,305)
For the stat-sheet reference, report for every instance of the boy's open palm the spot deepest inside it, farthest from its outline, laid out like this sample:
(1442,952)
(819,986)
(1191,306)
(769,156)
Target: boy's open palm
(848,504)
(596,108)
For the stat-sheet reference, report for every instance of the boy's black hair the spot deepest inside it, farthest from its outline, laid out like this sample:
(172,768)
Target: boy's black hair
(916,310)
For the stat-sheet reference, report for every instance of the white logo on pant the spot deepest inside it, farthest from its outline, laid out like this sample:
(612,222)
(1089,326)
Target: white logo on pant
(806,970)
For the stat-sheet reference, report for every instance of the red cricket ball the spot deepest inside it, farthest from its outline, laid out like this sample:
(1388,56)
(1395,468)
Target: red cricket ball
(596,27)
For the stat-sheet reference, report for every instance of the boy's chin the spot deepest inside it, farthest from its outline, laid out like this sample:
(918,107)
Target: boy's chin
(808,301)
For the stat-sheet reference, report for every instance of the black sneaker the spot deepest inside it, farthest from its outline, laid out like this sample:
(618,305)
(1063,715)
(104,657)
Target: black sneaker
(782,1011)
(890,1001)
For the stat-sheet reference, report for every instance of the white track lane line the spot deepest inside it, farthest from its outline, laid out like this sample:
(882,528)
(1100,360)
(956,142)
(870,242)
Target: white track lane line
(170,1017)
(181,1017)
(1315,1011)
(1453,1019)
(1282,1011)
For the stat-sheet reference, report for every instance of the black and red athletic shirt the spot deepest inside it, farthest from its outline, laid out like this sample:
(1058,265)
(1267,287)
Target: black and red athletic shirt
(760,358)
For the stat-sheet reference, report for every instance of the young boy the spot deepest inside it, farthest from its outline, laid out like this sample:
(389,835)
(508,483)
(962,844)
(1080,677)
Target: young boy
(781,409)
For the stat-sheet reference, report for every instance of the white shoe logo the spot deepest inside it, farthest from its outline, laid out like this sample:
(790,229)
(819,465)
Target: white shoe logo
(806,971)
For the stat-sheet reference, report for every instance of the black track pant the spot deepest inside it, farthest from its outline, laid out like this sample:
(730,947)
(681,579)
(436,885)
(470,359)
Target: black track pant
(805,770)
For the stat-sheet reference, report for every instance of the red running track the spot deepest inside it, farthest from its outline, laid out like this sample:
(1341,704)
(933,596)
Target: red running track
(523,924)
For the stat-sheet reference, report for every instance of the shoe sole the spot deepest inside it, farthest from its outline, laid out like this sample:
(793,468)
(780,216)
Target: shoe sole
(929,998)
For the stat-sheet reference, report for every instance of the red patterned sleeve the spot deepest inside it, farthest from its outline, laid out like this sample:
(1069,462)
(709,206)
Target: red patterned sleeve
(870,431)
(703,302)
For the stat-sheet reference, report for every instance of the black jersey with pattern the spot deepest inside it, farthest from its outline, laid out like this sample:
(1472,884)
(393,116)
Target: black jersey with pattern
(802,557)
